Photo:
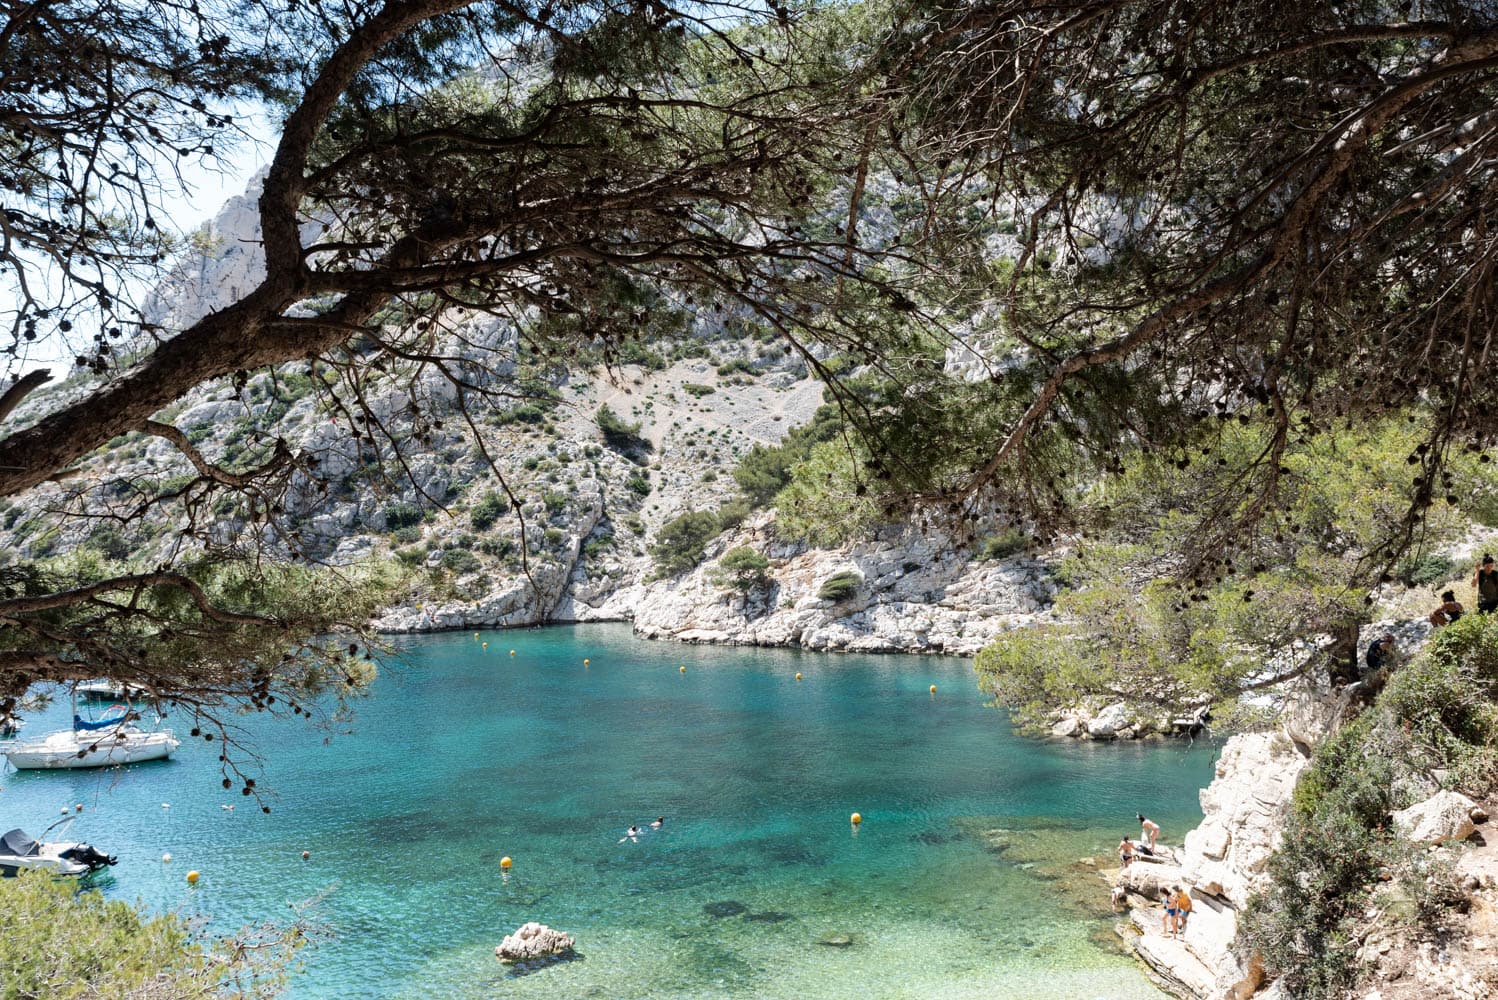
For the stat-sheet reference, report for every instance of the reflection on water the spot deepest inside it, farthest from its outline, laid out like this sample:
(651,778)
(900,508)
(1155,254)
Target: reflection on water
(964,880)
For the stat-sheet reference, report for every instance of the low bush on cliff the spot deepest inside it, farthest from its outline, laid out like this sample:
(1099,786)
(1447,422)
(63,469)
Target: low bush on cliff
(681,542)
(1435,715)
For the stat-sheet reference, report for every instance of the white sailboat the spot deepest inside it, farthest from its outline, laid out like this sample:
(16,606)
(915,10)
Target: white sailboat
(115,740)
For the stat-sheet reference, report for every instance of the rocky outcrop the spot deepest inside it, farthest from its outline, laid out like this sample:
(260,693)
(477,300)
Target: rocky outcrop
(917,595)
(1442,818)
(1221,866)
(534,942)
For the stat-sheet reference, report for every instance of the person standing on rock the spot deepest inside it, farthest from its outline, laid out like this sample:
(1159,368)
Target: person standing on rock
(1182,900)
(1485,582)
(1149,831)
(1126,851)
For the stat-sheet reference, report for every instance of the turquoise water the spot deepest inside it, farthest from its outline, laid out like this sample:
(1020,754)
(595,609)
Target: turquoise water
(962,882)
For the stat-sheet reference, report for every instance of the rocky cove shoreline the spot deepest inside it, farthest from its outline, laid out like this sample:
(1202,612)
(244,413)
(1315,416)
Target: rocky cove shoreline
(914,595)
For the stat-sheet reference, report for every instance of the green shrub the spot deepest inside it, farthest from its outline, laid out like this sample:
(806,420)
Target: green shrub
(111,542)
(461,561)
(1424,570)
(409,535)
(618,433)
(487,511)
(410,557)
(732,514)
(402,515)
(553,537)
(697,390)
(840,586)
(555,502)
(598,543)
(639,486)
(1009,542)
(497,546)
(743,569)
(525,413)
(736,366)
(680,543)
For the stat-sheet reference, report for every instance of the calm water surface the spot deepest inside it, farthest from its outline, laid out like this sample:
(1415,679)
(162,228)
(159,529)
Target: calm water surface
(961,883)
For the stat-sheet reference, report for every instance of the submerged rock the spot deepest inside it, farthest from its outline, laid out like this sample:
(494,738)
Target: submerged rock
(534,941)
(724,908)
(836,941)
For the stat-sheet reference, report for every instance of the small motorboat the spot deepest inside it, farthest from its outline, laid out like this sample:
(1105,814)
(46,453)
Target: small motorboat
(115,740)
(20,852)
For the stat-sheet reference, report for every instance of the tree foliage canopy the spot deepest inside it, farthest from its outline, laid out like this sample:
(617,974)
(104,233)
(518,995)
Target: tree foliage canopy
(567,171)
(1102,228)
(68,945)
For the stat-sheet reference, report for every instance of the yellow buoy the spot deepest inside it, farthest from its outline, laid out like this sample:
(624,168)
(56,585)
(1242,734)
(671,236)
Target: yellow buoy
(798,677)
(683,669)
(505,863)
(933,689)
(512,652)
(586,662)
(486,645)
(192,878)
(475,635)
(857,819)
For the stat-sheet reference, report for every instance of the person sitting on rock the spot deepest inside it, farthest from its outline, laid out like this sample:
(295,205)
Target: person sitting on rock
(1149,831)
(1450,610)
(1183,908)
(1126,851)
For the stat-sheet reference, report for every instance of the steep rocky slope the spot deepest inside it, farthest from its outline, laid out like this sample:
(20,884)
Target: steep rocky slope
(578,546)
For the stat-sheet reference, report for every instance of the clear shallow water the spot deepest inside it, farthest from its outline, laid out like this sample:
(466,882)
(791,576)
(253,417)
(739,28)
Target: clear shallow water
(961,884)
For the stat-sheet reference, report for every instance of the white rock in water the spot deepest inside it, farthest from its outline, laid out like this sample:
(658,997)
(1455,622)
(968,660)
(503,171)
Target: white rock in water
(1442,817)
(1109,721)
(1066,727)
(533,941)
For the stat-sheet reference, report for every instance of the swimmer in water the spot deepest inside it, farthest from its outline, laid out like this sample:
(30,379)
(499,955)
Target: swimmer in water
(660,821)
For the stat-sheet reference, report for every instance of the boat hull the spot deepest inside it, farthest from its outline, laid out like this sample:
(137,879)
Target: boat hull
(11,866)
(103,751)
